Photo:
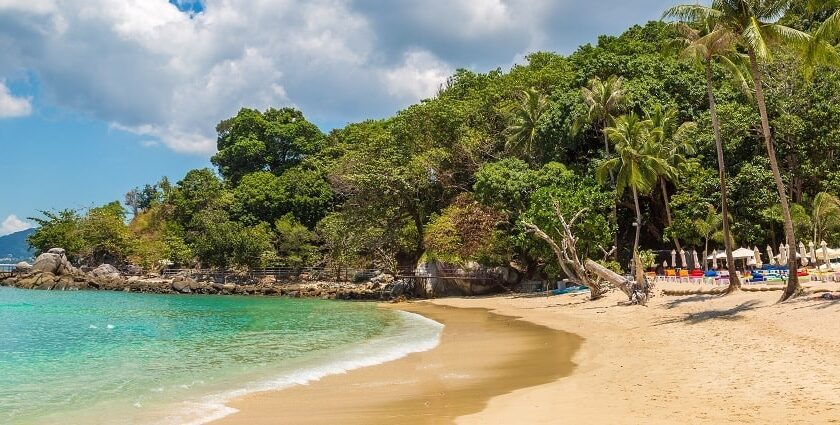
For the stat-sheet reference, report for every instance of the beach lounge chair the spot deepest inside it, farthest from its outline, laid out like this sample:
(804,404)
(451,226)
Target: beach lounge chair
(684,276)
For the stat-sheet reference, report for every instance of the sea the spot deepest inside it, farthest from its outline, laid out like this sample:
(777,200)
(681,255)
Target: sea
(117,358)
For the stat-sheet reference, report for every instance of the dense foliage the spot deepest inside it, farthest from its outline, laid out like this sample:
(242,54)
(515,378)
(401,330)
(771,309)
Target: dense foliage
(451,177)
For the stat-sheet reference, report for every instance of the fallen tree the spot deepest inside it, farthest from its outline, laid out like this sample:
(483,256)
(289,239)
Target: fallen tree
(589,273)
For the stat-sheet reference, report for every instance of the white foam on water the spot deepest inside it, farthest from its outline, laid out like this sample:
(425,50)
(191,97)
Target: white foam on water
(110,326)
(92,327)
(417,334)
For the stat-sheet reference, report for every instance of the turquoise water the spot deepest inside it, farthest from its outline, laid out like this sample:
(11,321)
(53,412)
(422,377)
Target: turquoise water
(111,357)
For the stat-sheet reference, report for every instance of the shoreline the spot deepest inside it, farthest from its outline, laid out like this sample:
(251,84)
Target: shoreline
(481,355)
(701,359)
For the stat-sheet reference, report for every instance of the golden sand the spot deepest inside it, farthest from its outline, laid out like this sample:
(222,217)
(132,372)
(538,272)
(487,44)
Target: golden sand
(741,358)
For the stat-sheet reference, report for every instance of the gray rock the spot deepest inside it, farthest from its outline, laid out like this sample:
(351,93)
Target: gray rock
(59,251)
(105,270)
(181,285)
(48,262)
(23,267)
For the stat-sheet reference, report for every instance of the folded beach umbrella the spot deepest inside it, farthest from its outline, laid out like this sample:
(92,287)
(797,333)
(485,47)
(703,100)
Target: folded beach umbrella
(757,256)
(770,257)
(825,258)
(674,258)
(803,254)
(696,260)
(782,254)
(682,258)
(664,264)
(714,259)
(812,256)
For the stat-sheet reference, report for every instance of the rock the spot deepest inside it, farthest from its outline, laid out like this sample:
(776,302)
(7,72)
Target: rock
(58,251)
(23,267)
(133,270)
(182,285)
(229,287)
(47,262)
(105,270)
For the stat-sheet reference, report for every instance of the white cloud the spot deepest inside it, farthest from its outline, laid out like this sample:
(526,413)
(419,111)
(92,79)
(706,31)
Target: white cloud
(12,224)
(171,76)
(419,76)
(11,106)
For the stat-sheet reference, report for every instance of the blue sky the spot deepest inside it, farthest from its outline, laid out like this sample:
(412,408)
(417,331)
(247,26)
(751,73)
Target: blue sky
(98,96)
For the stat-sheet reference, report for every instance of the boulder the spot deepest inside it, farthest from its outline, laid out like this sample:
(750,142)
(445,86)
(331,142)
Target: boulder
(47,262)
(182,285)
(106,271)
(59,251)
(23,267)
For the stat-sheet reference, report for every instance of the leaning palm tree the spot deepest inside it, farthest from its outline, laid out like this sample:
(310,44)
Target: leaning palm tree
(527,115)
(672,146)
(755,27)
(705,44)
(604,98)
(637,165)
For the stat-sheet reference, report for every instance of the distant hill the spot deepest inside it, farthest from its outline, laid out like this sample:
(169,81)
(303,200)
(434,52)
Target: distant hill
(14,248)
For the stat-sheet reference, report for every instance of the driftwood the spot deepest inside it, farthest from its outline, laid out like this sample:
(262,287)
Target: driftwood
(588,273)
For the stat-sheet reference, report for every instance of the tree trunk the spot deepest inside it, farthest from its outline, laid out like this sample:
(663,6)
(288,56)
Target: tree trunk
(638,229)
(792,289)
(612,182)
(734,282)
(668,211)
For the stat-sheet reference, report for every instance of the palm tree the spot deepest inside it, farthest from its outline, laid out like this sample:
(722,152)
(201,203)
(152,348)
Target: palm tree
(604,98)
(754,26)
(672,146)
(705,44)
(710,226)
(638,165)
(527,116)
(825,215)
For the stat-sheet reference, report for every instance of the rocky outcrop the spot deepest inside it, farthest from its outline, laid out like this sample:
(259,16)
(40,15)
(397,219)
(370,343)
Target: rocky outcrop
(436,279)
(105,271)
(23,267)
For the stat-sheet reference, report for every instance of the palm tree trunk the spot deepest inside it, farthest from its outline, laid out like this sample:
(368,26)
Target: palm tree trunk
(792,289)
(734,282)
(612,182)
(668,211)
(638,224)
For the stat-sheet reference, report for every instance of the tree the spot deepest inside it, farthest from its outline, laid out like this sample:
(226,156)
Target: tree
(705,45)
(527,116)
(58,230)
(605,99)
(106,234)
(294,243)
(198,190)
(274,141)
(825,216)
(672,147)
(638,165)
(754,23)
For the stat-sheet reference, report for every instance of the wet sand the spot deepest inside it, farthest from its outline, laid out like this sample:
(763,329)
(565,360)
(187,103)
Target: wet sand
(481,355)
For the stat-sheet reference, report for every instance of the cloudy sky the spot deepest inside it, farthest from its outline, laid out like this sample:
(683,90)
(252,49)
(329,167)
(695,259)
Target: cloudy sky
(98,96)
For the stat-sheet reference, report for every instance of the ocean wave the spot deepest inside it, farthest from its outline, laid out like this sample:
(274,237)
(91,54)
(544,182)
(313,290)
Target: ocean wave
(417,334)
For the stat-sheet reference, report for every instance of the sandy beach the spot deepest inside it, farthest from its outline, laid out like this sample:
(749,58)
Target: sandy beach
(692,359)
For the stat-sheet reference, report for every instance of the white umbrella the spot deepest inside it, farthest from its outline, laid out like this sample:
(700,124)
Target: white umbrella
(782,254)
(757,256)
(741,253)
(825,252)
(682,258)
(770,257)
(696,264)
(812,256)
(674,257)
(714,259)
(664,264)
(803,254)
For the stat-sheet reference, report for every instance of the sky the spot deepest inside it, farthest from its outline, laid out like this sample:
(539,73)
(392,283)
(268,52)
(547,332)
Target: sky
(100,96)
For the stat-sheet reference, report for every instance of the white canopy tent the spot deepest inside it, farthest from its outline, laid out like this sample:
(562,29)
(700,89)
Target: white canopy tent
(738,254)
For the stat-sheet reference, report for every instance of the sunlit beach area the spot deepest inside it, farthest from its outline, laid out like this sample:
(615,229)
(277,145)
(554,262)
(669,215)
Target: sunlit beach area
(441,212)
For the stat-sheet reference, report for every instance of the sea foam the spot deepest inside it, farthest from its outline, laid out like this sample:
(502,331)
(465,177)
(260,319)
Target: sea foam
(417,334)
